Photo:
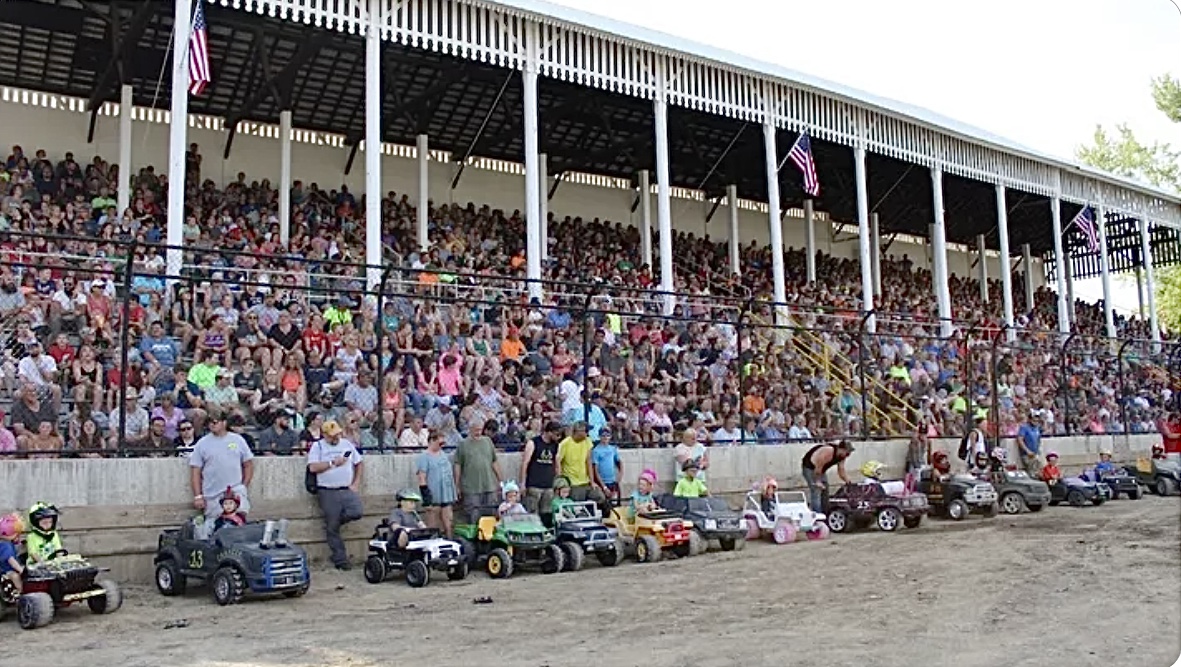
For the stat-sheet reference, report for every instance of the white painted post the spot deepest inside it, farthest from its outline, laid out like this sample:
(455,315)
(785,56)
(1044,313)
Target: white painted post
(1059,265)
(939,252)
(645,195)
(1105,270)
(875,232)
(864,238)
(532,180)
(543,202)
(778,276)
(285,177)
(735,258)
(1002,226)
(373,190)
(423,212)
(663,204)
(982,257)
(1027,262)
(178,135)
(810,239)
(126,172)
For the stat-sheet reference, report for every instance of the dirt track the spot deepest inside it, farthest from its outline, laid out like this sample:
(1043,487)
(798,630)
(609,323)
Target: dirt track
(1078,587)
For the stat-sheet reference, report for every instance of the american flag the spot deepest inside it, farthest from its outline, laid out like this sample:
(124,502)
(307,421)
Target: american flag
(1086,222)
(801,156)
(199,76)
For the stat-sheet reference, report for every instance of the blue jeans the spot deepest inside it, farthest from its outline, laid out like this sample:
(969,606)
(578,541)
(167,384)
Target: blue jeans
(815,491)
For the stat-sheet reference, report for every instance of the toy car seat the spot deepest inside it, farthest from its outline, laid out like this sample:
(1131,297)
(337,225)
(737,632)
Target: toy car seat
(487,526)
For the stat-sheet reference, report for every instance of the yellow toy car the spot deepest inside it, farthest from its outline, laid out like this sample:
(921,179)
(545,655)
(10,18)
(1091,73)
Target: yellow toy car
(649,534)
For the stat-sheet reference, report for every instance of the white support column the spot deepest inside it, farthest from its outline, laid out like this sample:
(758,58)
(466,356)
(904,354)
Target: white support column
(543,216)
(1068,269)
(982,258)
(1149,277)
(810,240)
(1027,262)
(126,109)
(178,135)
(532,182)
(663,205)
(1140,293)
(1006,268)
(285,176)
(645,195)
(373,144)
(423,211)
(875,233)
(732,200)
(939,252)
(863,237)
(778,277)
(1105,270)
(1060,265)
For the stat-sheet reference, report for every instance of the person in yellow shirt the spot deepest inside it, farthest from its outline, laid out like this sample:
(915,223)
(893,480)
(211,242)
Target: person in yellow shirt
(574,463)
(689,486)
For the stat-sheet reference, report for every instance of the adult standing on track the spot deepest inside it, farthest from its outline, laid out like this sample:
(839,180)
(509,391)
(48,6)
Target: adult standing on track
(338,468)
(815,467)
(574,463)
(1029,441)
(220,460)
(477,473)
(538,468)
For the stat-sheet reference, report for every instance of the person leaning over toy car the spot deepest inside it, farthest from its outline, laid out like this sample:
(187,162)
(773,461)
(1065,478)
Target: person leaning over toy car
(338,467)
(220,460)
(815,467)
(575,464)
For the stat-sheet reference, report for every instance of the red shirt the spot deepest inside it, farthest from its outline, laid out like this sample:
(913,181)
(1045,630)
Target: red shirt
(62,354)
(1170,434)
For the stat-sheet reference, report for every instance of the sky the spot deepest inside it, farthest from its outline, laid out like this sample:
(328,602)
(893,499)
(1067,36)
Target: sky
(1042,73)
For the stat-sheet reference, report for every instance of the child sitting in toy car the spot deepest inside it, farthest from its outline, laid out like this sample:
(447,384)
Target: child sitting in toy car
(11,528)
(941,464)
(872,471)
(1050,472)
(43,542)
(767,498)
(512,500)
(404,517)
(1105,466)
(230,516)
(561,495)
(690,486)
(642,499)
(981,466)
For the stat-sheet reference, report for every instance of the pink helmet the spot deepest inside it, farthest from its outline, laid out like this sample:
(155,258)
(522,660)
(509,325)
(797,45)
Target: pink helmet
(1051,454)
(11,526)
(649,474)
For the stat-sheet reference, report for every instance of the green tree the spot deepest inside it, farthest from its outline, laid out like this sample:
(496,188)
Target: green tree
(1157,163)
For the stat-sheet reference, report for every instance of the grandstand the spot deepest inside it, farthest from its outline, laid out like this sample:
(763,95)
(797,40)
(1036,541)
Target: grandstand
(868,311)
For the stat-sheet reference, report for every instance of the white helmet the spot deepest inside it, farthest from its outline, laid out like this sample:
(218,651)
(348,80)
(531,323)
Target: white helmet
(1000,454)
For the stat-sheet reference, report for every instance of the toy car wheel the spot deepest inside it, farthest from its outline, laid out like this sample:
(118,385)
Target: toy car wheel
(457,572)
(553,559)
(499,564)
(1163,487)
(375,570)
(1098,500)
(1012,503)
(731,543)
(298,592)
(169,580)
(647,549)
(467,550)
(956,510)
(753,532)
(417,574)
(991,510)
(838,521)
(572,556)
(889,519)
(912,521)
(610,557)
(227,586)
(697,544)
(1037,508)
(785,533)
(1076,498)
(1136,493)
(34,610)
(110,601)
(819,532)
(1114,493)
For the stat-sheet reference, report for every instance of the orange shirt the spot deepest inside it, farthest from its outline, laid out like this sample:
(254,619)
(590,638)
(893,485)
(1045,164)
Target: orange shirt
(1050,472)
(511,349)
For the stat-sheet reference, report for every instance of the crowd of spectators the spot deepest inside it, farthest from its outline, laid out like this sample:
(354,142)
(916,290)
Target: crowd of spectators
(283,338)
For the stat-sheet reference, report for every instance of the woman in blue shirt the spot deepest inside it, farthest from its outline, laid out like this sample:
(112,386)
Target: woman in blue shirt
(436,483)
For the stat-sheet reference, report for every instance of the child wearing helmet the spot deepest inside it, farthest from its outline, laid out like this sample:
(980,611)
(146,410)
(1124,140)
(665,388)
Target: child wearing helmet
(11,528)
(690,486)
(980,465)
(872,472)
(561,495)
(404,517)
(642,499)
(767,497)
(1105,466)
(230,516)
(1050,472)
(1158,451)
(43,541)
(941,463)
(512,500)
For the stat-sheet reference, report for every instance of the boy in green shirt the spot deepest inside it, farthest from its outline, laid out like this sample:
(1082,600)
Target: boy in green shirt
(689,486)
(42,541)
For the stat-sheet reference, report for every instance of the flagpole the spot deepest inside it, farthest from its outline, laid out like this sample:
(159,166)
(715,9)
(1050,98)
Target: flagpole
(178,134)
(785,157)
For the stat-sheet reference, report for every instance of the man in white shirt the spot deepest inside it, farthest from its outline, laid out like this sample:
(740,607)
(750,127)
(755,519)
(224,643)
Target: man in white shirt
(728,434)
(40,370)
(415,437)
(338,468)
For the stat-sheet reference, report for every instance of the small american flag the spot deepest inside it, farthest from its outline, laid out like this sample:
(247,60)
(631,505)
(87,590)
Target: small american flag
(1086,222)
(801,156)
(199,76)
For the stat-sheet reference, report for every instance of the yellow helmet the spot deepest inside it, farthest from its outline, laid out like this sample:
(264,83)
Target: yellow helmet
(872,469)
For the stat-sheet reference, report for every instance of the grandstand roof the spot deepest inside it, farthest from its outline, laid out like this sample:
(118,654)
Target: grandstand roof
(263,64)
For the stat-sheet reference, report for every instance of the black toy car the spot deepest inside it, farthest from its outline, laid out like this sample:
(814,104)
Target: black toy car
(56,584)
(1118,482)
(712,519)
(1017,491)
(957,496)
(235,560)
(859,505)
(425,551)
(1078,492)
(1162,476)
(580,531)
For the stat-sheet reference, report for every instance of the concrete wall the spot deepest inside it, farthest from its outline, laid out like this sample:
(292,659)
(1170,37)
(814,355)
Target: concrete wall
(315,158)
(113,509)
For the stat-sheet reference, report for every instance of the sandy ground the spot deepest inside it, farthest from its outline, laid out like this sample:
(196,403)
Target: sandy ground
(1089,586)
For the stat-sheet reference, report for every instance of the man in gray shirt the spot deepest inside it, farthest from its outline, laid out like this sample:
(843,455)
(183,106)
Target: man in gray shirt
(220,460)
